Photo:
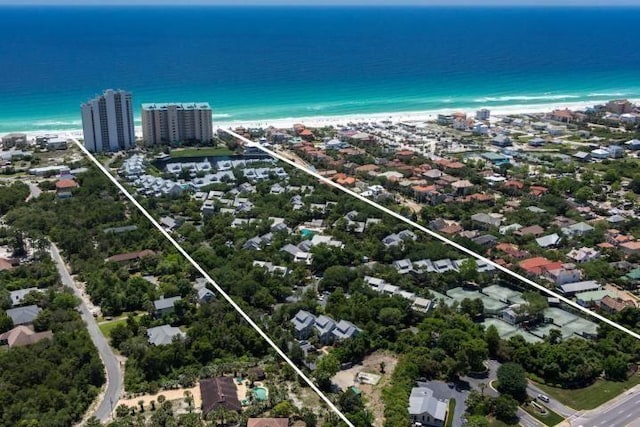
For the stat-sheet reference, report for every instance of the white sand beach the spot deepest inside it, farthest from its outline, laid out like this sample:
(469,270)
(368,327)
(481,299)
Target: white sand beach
(343,120)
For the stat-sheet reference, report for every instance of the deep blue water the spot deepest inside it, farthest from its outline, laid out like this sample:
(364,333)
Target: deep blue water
(258,62)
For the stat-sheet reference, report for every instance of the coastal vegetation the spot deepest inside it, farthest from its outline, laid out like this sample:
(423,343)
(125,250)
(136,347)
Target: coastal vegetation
(51,382)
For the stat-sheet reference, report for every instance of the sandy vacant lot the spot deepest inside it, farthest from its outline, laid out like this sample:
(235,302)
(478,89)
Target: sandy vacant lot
(373,394)
(170,395)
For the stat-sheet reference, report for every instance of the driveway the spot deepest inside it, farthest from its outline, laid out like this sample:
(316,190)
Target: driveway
(441,390)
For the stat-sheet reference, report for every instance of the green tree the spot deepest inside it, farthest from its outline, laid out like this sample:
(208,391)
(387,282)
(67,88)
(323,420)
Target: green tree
(615,368)
(472,307)
(512,380)
(584,194)
(505,408)
(492,337)
(327,367)
(469,270)
(283,409)
(5,322)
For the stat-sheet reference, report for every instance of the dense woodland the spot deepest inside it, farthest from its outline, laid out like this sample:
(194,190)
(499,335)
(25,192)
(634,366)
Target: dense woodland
(52,382)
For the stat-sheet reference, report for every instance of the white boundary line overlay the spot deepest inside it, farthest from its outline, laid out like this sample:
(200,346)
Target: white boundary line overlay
(433,234)
(226,296)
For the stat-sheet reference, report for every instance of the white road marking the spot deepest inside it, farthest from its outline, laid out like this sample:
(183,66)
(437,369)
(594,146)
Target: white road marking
(210,280)
(434,234)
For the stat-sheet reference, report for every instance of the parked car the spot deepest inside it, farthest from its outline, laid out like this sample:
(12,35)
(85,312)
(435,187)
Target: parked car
(543,398)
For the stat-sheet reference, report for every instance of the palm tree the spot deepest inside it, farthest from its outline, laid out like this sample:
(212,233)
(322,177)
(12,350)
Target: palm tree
(482,387)
(141,403)
(188,399)
(153,405)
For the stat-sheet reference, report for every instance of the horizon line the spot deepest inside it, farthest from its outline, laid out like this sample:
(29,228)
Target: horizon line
(356,4)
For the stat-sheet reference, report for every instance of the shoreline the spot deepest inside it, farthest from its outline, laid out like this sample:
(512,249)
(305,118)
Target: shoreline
(342,120)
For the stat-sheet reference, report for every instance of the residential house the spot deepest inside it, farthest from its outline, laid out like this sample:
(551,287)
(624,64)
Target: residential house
(566,273)
(64,187)
(579,229)
(583,254)
(612,305)
(533,230)
(630,248)
(164,335)
(403,266)
(345,330)
(303,323)
(582,156)
(487,240)
(501,140)
(324,327)
(398,239)
(219,392)
(131,256)
(205,295)
(425,410)
(164,306)
(16,297)
(268,422)
(600,153)
(539,265)
(485,220)
(298,254)
(23,315)
(23,335)
(422,304)
(570,289)
(593,298)
(462,187)
(548,241)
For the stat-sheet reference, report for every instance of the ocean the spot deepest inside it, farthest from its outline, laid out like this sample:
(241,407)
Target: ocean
(261,63)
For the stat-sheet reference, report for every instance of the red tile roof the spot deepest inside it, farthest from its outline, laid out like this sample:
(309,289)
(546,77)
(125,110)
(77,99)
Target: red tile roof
(268,422)
(65,184)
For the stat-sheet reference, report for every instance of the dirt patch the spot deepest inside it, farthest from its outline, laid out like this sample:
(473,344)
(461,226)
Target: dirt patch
(170,395)
(373,394)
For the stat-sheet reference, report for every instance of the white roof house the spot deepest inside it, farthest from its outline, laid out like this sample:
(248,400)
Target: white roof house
(426,409)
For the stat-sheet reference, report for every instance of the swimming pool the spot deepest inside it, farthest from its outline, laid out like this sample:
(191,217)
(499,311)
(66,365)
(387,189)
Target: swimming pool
(260,393)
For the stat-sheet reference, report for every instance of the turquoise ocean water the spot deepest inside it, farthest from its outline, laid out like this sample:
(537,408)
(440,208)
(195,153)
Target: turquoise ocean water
(257,63)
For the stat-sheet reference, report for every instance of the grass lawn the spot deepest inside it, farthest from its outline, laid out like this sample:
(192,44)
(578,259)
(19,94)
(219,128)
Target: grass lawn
(497,423)
(452,407)
(107,327)
(550,419)
(592,396)
(200,152)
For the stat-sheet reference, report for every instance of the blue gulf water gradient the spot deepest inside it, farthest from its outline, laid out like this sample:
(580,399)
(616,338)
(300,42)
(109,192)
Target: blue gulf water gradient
(258,63)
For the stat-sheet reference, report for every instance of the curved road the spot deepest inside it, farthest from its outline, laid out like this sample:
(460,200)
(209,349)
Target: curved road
(104,408)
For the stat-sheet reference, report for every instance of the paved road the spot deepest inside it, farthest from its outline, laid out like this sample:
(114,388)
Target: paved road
(526,420)
(622,411)
(114,377)
(34,191)
(553,404)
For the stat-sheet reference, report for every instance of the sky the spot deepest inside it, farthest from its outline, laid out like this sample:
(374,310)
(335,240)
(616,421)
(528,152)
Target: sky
(332,2)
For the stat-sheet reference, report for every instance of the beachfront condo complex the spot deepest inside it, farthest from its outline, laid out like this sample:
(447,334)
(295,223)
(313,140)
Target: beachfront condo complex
(172,123)
(107,122)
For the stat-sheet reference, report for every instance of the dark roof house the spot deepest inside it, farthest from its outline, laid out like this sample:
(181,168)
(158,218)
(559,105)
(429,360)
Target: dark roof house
(219,392)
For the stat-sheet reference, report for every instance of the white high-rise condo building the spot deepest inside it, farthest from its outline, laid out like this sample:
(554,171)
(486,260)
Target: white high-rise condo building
(171,123)
(483,114)
(107,122)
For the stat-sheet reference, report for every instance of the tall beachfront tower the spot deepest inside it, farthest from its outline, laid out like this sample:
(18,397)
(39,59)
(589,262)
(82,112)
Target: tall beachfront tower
(171,123)
(107,122)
